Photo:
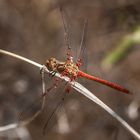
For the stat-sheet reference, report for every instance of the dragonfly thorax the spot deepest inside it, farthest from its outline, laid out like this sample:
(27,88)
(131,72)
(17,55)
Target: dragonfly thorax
(71,70)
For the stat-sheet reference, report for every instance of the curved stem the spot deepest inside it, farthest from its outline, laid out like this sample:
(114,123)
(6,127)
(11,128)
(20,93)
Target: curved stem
(21,58)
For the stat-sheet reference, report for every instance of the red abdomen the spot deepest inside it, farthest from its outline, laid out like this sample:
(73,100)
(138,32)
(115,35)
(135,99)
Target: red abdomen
(102,81)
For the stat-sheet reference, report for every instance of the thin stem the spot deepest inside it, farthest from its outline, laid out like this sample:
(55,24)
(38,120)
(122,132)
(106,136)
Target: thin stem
(8,127)
(21,58)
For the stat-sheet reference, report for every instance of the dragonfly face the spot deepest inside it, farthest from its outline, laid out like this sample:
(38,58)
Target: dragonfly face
(51,64)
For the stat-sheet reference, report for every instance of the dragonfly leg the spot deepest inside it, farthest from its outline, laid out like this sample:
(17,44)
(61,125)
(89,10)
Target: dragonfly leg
(52,74)
(54,85)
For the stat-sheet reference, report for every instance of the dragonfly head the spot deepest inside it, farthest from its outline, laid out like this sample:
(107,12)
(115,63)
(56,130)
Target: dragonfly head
(51,64)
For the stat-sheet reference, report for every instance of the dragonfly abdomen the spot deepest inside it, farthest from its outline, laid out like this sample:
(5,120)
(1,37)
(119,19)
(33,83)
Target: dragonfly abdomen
(102,81)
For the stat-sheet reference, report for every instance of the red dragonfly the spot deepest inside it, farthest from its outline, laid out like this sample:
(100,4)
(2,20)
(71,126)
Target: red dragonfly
(71,69)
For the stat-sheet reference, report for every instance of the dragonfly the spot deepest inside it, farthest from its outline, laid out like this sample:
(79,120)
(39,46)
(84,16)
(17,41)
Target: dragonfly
(71,69)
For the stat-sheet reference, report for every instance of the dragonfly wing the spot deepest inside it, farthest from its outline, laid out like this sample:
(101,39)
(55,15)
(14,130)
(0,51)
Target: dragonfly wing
(82,46)
(31,110)
(66,34)
(54,115)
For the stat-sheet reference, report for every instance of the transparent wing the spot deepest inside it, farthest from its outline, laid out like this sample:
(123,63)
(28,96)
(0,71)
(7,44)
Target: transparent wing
(31,110)
(66,34)
(82,46)
(56,111)
(54,108)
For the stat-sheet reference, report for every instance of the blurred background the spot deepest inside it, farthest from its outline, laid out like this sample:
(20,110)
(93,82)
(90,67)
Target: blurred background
(34,29)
